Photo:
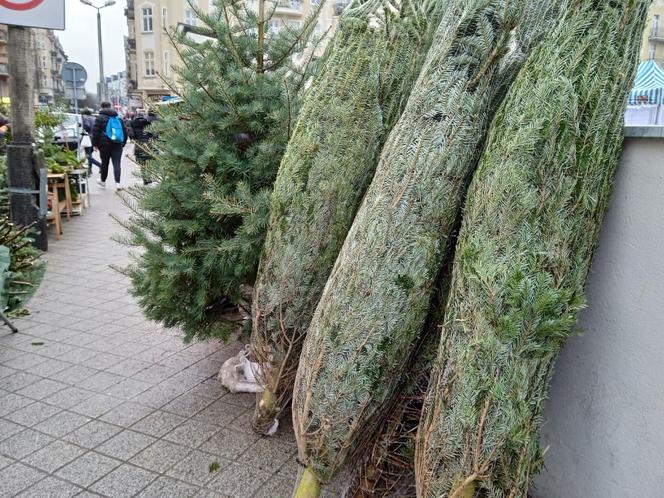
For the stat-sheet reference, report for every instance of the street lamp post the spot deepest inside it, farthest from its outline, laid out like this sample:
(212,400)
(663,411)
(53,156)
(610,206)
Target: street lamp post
(102,81)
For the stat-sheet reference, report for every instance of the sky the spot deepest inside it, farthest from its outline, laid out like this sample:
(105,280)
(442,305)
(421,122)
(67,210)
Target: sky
(79,39)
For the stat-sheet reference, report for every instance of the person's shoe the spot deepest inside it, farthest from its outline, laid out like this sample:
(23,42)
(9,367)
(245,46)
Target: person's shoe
(118,189)
(101,184)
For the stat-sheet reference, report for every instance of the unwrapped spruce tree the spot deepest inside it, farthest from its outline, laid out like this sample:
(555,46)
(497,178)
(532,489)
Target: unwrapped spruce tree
(531,224)
(374,305)
(374,59)
(200,227)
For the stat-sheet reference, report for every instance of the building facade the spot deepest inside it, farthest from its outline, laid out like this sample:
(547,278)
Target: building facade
(49,56)
(151,56)
(116,90)
(653,36)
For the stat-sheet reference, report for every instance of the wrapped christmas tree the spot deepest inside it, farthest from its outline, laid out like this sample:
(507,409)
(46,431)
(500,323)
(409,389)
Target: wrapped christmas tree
(371,313)
(372,63)
(531,223)
(200,226)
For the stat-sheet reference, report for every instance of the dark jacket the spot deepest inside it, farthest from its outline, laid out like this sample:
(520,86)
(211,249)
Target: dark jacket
(98,136)
(88,123)
(140,126)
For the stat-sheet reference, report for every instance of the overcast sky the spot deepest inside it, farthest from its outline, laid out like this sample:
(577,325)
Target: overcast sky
(80,38)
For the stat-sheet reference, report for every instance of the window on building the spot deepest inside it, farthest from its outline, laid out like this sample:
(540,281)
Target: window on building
(148,56)
(274,26)
(147,19)
(652,50)
(190,17)
(167,64)
(295,4)
(43,62)
(314,3)
(294,25)
(164,18)
(317,29)
(655,25)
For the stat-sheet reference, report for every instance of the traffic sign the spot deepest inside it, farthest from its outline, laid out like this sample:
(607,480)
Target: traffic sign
(73,72)
(33,13)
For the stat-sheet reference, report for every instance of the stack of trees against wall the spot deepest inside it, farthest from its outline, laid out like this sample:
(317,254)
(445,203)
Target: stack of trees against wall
(531,224)
(372,63)
(371,314)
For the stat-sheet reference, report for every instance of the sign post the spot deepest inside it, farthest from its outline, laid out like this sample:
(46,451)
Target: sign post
(74,76)
(25,173)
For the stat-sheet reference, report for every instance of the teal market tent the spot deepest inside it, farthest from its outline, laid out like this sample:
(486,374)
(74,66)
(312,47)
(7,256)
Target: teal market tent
(649,84)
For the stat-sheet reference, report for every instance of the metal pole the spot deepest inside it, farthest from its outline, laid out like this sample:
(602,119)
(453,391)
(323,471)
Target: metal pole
(22,170)
(102,81)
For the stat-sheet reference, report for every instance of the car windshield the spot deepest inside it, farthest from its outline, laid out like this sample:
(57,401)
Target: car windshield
(69,120)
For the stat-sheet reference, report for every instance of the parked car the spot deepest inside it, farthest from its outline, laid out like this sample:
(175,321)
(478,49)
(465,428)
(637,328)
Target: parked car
(67,134)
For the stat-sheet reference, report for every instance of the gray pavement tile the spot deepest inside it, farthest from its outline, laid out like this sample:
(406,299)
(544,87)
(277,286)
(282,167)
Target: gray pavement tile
(128,367)
(42,389)
(229,444)
(74,374)
(51,488)
(87,469)
(49,367)
(276,488)
(195,468)
(155,374)
(151,353)
(68,397)
(124,482)
(6,371)
(8,429)
(25,361)
(167,486)
(96,405)
(187,405)
(192,433)
(157,396)
(207,493)
(100,382)
(7,354)
(160,456)
(125,444)
(76,355)
(128,388)
(5,462)
(239,481)
(126,414)
(246,400)
(211,388)
(62,423)
(23,443)
(267,454)
(102,361)
(158,423)
(33,414)
(54,349)
(222,413)
(18,381)
(16,478)
(92,434)
(55,455)
(11,402)
(206,367)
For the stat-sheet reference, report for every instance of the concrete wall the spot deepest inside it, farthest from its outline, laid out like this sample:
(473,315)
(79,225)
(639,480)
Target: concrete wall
(604,421)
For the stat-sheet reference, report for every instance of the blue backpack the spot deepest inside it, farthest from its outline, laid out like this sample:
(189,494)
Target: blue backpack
(114,130)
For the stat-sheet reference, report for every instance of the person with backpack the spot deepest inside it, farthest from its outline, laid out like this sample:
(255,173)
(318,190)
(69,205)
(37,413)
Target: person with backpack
(143,136)
(109,136)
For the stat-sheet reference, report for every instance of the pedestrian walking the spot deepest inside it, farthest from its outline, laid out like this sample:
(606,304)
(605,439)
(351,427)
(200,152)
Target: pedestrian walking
(143,136)
(109,136)
(86,140)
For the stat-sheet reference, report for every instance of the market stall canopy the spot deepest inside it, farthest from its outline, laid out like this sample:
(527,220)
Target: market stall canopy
(649,84)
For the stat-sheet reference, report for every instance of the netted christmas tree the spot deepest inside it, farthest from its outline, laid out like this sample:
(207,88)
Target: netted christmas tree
(374,59)
(370,316)
(200,227)
(531,224)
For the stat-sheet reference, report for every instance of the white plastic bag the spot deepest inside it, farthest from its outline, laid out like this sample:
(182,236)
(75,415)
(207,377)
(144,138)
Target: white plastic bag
(239,374)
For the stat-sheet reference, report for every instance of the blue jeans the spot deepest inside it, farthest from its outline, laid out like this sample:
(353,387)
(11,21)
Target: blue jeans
(91,160)
(110,153)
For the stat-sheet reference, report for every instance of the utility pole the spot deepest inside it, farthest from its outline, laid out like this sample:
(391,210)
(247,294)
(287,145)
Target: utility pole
(23,170)
(102,80)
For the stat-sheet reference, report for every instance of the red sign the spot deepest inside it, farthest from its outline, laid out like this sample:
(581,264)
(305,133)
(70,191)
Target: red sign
(12,4)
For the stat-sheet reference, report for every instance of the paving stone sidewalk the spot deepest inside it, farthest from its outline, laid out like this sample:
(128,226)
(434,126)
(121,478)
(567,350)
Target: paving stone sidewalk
(95,400)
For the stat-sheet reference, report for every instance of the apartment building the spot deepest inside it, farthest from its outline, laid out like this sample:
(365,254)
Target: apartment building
(151,56)
(653,36)
(49,56)
(116,90)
